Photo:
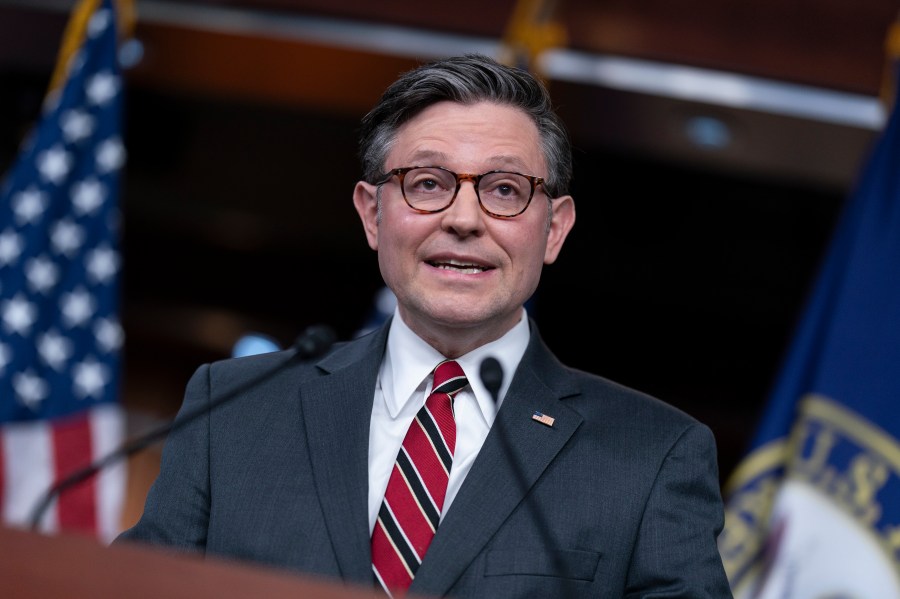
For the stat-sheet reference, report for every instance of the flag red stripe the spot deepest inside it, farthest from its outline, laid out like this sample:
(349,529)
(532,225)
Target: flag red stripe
(2,476)
(72,450)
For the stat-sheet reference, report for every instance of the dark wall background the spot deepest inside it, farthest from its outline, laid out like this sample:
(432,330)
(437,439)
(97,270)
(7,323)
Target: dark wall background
(679,279)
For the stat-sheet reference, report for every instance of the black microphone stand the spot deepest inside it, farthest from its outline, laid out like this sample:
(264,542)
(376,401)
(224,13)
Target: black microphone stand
(314,341)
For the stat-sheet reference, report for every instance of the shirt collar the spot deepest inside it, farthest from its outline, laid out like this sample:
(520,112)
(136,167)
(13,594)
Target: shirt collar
(409,360)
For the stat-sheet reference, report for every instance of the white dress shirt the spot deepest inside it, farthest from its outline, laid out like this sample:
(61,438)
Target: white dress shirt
(404,382)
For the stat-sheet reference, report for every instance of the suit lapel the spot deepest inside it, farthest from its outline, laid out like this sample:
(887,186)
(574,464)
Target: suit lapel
(336,411)
(515,454)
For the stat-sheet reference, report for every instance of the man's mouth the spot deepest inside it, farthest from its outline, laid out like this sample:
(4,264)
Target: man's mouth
(467,268)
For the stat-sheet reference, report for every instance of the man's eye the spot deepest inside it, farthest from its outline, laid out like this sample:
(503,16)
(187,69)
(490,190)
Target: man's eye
(426,185)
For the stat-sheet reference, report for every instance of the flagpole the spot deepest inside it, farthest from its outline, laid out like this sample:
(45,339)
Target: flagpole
(76,30)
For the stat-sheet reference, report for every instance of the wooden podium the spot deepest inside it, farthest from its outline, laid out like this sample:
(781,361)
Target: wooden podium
(33,565)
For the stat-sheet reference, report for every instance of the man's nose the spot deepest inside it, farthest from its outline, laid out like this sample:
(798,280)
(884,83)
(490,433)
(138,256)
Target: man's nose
(464,215)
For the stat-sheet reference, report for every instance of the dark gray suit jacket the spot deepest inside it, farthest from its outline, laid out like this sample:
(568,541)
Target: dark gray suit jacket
(619,498)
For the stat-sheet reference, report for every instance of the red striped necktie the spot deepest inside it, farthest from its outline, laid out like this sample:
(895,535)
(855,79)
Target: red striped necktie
(414,498)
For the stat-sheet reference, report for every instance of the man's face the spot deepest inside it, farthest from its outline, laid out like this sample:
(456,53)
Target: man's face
(460,273)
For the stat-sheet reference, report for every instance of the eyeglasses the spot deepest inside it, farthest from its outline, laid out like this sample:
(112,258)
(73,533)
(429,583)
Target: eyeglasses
(429,189)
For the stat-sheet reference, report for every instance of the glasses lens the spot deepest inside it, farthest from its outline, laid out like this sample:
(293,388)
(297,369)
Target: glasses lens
(429,188)
(505,194)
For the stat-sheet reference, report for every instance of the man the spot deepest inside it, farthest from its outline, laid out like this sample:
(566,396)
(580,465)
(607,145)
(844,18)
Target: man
(354,467)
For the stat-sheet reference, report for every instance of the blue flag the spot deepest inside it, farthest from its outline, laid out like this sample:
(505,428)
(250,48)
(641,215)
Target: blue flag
(814,509)
(60,337)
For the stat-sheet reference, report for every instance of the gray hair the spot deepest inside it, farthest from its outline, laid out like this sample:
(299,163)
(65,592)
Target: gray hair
(467,80)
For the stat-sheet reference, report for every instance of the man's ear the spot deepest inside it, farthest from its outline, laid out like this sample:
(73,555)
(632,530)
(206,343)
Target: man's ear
(365,199)
(561,222)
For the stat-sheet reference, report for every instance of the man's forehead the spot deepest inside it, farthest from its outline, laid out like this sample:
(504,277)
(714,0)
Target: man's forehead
(480,108)
(506,134)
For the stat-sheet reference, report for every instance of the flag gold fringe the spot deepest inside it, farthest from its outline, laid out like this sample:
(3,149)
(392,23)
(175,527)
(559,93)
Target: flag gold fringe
(76,28)
(531,30)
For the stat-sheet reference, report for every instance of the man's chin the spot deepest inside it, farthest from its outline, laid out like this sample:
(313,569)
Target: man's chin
(464,316)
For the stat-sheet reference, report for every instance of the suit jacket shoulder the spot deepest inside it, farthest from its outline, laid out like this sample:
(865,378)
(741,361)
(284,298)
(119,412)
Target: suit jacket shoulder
(268,462)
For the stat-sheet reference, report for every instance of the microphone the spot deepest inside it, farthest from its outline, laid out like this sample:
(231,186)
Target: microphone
(491,373)
(313,342)
(492,378)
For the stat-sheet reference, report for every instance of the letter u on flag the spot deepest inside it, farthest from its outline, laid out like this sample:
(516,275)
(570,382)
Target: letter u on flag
(60,337)
(814,509)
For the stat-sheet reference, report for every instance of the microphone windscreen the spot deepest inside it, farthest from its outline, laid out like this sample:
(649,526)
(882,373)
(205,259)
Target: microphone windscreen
(491,376)
(315,341)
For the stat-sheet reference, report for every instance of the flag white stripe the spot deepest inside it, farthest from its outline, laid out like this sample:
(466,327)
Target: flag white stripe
(107,431)
(28,469)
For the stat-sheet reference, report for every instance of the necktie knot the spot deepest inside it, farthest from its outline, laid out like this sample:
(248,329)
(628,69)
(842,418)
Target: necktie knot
(449,378)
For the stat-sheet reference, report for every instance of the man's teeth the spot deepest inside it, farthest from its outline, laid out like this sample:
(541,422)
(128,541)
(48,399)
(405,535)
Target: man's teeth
(463,267)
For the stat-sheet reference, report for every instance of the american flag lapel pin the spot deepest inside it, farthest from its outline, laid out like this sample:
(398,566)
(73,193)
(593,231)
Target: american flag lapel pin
(543,418)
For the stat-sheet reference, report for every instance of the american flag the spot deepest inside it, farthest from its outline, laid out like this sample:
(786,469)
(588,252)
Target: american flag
(60,338)
(543,418)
